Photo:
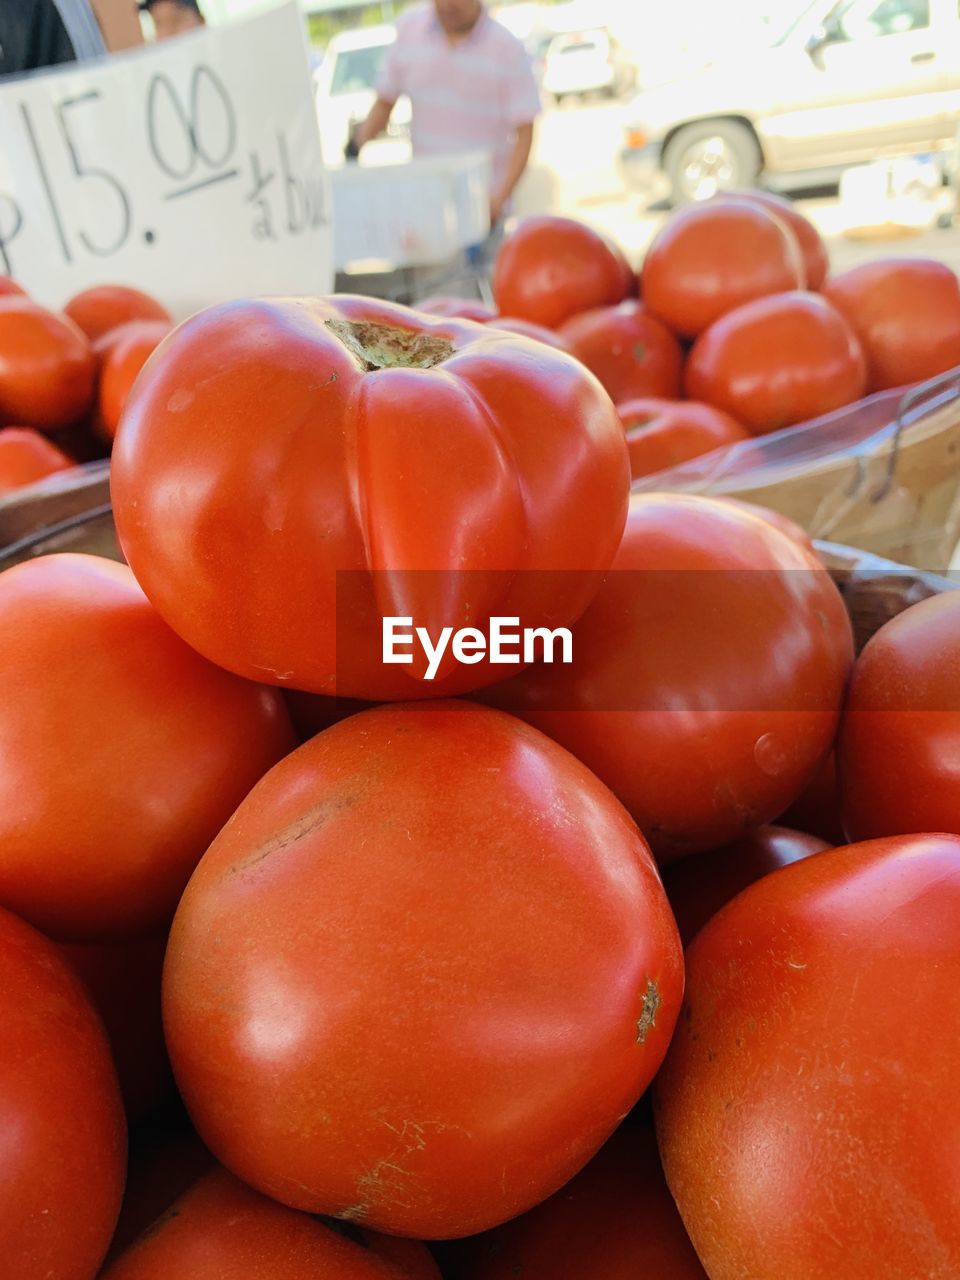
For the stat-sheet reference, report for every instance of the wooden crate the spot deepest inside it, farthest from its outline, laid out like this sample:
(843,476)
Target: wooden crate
(891,488)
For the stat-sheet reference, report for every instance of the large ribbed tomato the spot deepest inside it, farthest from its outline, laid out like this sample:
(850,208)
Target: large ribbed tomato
(808,1112)
(123,750)
(707,675)
(421,974)
(286,471)
(62,1132)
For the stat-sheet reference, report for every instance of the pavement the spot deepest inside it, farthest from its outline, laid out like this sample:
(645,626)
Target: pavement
(574,172)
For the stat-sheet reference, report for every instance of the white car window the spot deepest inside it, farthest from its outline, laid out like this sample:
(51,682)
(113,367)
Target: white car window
(356,70)
(865,19)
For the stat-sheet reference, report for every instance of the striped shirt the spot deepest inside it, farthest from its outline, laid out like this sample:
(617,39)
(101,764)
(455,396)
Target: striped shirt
(471,95)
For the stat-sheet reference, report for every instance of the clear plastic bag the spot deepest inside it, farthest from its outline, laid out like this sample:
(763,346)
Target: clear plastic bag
(882,475)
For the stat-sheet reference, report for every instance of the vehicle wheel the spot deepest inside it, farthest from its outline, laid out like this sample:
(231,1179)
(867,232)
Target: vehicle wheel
(717,155)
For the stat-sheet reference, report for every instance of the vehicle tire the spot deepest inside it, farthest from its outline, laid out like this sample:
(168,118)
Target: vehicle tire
(713,155)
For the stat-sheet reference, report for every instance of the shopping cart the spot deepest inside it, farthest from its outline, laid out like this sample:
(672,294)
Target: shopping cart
(404,231)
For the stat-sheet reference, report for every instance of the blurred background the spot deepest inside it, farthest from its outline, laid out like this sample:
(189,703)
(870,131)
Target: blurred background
(850,107)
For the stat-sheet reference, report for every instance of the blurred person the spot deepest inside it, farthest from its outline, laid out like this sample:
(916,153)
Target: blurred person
(471,87)
(173,17)
(46,33)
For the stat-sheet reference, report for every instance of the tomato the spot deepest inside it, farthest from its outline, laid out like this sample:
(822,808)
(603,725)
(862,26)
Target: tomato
(123,352)
(713,257)
(630,352)
(808,1109)
(509,324)
(123,979)
(707,675)
(817,809)
(776,518)
(663,433)
(409,1256)
(456,308)
(166,1159)
(816,260)
(8,286)
(898,760)
(106,306)
(906,313)
(614,1221)
(552,268)
(699,886)
(397,444)
(125,751)
(26,456)
(777,362)
(221,1230)
(63,1153)
(47,369)
(361,992)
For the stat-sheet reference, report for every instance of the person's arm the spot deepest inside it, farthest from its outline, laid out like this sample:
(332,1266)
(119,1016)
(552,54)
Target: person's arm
(374,125)
(390,85)
(519,159)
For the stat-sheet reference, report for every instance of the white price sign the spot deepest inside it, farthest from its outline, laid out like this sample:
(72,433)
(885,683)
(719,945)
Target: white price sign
(192,169)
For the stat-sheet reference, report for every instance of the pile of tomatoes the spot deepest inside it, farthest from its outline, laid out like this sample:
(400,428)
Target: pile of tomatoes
(734,326)
(314,963)
(64,376)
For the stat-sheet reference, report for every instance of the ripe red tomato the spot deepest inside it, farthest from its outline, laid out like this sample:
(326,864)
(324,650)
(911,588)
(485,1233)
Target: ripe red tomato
(121,746)
(509,324)
(166,1159)
(906,313)
(552,268)
(711,258)
(817,809)
(777,362)
(456,308)
(808,1109)
(663,433)
(816,260)
(409,1256)
(777,519)
(63,1152)
(8,286)
(122,353)
(105,306)
(630,352)
(899,747)
(397,445)
(47,369)
(699,886)
(221,1230)
(361,992)
(707,675)
(123,979)
(614,1221)
(26,456)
